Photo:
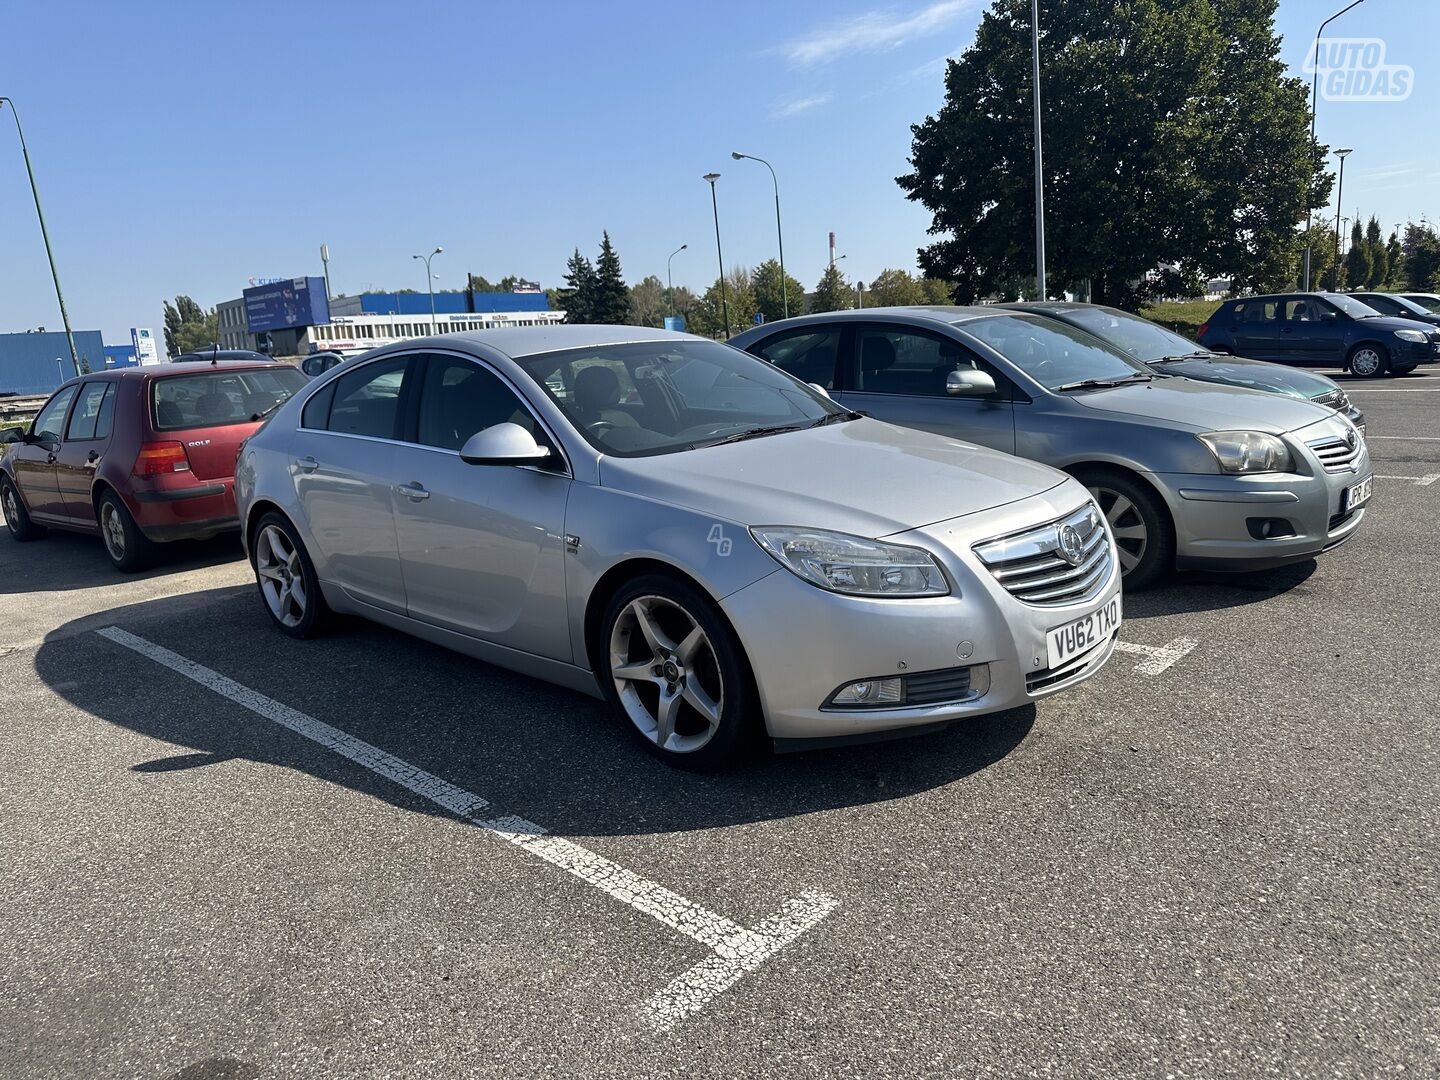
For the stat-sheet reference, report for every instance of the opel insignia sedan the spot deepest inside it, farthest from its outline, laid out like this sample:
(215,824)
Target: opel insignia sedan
(1167,351)
(141,456)
(712,546)
(1188,473)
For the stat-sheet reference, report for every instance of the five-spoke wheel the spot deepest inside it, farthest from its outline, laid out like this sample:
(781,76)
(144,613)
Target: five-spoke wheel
(286,577)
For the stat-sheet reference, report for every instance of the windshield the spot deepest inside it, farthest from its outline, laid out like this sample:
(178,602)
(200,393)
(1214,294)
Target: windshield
(219,397)
(1350,306)
(1054,354)
(1429,303)
(657,397)
(1141,338)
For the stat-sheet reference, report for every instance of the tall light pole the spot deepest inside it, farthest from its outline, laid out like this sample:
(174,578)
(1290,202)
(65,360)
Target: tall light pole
(1342,154)
(779,236)
(1039,157)
(44,233)
(1314,89)
(711,177)
(430,283)
(669,278)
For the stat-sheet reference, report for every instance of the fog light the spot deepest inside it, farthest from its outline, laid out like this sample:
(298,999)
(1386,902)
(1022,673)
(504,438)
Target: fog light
(870,692)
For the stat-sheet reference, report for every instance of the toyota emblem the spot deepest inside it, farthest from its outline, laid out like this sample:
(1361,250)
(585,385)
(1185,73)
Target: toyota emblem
(1071,549)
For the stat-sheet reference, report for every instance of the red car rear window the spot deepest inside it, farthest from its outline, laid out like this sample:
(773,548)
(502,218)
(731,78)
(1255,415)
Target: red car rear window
(218,398)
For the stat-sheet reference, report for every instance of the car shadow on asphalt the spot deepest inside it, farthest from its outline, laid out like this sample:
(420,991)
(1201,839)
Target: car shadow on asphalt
(1193,591)
(551,755)
(62,561)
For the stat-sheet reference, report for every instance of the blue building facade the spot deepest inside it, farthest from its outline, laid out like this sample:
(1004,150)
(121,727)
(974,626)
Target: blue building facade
(120,356)
(448,303)
(37,363)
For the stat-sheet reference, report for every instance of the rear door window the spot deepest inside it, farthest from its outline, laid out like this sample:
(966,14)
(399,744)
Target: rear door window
(367,400)
(218,398)
(86,415)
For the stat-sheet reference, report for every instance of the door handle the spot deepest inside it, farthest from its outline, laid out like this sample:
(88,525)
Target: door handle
(307,464)
(50,459)
(413,490)
(91,458)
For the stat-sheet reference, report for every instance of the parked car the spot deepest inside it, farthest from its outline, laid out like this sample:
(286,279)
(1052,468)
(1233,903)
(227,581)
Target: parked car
(1399,306)
(317,363)
(1164,350)
(140,456)
(1320,330)
(1188,473)
(218,355)
(672,525)
(1429,301)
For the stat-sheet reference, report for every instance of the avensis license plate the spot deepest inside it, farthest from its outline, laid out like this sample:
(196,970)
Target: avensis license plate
(1082,635)
(1356,495)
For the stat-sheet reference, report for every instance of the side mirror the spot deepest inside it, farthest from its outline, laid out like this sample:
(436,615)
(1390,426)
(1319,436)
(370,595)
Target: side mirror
(969,384)
(819,389)
(503,444)
(1329,318)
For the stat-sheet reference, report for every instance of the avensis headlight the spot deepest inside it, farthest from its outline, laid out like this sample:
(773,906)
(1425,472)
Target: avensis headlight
(1248,451)
(853,565)
(1410,335)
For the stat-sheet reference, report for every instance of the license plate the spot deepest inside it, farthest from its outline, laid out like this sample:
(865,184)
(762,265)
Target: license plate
(1069,641)
(1356,495)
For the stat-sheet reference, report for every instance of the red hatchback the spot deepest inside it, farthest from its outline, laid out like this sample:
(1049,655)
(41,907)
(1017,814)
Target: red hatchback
(139,455)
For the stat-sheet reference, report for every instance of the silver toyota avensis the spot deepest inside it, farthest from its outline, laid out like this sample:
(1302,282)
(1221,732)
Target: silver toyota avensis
(679,528)
(1189,473)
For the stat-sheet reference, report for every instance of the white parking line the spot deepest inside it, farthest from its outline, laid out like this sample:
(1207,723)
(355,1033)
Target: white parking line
(1393,390)
(737,949)
(1158,658)
(1418,481)
(1404,438)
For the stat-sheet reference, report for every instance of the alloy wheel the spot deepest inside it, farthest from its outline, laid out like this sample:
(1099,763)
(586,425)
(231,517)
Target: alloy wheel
(113,530)
(12,509)
(666,674)
(1127,524)
(1366,362)
(282,579)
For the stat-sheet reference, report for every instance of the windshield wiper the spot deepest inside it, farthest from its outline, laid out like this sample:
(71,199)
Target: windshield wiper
(1101,384)
(1199,354)
(753,433)
(266,412)
(834,418)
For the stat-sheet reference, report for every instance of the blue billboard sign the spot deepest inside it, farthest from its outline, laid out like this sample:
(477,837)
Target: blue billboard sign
(287,304)
(675,322)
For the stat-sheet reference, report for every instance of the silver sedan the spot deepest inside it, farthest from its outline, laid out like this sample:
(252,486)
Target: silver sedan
(711,545)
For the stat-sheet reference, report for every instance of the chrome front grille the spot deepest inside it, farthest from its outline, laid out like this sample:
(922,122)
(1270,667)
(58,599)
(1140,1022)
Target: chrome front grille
(1335,399)
(1337,453)
(1034,567)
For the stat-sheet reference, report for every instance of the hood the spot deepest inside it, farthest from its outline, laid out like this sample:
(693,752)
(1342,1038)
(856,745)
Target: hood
(1203,406)
(863,477)
(1391,323)
(1255,374)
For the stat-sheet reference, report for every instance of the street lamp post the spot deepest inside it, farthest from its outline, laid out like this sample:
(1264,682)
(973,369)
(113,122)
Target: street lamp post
(711,177)
(1039,161)
(430,283)
(779,236)
(669,278)
(1314,90)
(1342,154)
(44,233)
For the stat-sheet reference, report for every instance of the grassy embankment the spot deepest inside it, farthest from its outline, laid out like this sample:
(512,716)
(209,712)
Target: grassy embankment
(1183,316)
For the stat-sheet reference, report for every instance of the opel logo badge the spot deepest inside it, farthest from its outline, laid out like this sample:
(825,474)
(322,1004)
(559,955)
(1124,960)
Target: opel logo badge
(1071,549)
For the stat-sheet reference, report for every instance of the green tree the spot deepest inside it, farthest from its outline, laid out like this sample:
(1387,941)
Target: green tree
(832,293)
(577,298)
(708,315)
(1379,256)
(1322,257)
(1174,137)
(894,288)
(1357,259)
(1422,257)
(681,302)
(647,302)
(936,292)
(189,327)
(1395,260)
(769,300)
(612,295)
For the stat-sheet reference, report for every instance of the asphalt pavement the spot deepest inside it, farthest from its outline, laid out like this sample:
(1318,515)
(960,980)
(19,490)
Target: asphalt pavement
(227,854)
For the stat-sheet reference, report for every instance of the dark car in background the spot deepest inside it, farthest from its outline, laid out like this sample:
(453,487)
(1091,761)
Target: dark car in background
(140,456)
(1399,306)
(1429,301)
(219,355)
(1167,351)
(1320,330)
(317,363)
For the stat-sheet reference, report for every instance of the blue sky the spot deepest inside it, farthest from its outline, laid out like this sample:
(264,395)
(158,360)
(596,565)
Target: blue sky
(186,147)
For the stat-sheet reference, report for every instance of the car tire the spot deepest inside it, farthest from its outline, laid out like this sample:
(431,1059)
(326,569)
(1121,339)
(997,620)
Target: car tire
(1144,532)
(280,562)
(1368,361)
(672,668)
(129,549)
(17,518)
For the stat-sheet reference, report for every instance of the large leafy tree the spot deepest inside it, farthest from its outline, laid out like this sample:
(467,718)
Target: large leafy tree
(1422,257)
(189,327)
(833,293)
(612,295)
(647,302)
(935,291)
(769,300)
(894,288)
(1379,255)
(708,315)
(577,298)
(1172,135)
(1357,259)
(1395,260)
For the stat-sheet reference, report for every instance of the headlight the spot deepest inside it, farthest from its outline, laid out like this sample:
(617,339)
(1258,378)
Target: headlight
(853,565)
(1248,451)
(1410,335)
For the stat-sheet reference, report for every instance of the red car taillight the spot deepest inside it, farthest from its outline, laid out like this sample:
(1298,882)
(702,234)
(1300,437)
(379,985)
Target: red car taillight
(1201,332)
(158,458)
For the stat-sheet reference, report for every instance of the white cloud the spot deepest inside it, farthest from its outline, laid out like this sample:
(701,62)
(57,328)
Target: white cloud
(784,110)
(871,31)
